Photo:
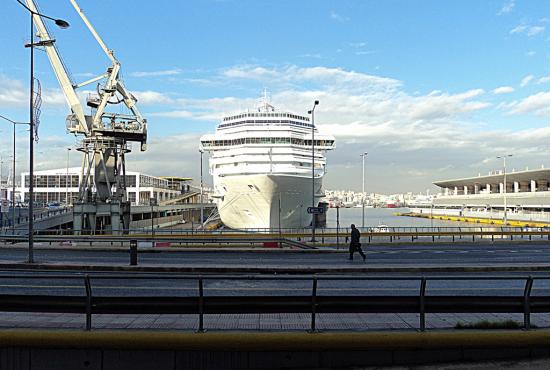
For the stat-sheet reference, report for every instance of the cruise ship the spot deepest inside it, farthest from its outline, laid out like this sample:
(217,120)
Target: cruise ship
(261,164)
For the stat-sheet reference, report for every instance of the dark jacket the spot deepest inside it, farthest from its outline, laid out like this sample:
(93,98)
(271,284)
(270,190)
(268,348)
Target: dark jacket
(355,235)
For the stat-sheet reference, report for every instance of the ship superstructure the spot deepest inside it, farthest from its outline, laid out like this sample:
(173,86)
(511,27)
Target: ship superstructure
(261,163)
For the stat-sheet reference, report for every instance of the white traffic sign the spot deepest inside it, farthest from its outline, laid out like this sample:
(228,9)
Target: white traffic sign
(315,210)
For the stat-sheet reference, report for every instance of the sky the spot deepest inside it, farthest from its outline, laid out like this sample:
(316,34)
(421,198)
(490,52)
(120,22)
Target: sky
(430,89)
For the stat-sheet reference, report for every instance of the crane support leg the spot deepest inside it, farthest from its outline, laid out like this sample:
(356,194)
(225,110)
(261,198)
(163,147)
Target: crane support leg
(102,207)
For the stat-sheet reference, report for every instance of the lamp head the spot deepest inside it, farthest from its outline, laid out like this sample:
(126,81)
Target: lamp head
(309,112)
(61,23)
(316,102)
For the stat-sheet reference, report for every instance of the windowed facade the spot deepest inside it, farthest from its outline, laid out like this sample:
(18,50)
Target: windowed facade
(58,186)
(267,140)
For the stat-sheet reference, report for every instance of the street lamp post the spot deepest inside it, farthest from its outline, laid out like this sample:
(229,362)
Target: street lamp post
(202,205)
(364,155)
(61,24)
(1,170)
(503,157)
(312,112)
(14,123)
(67,179)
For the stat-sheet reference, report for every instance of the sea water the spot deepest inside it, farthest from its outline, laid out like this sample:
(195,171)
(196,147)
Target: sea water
(385,216)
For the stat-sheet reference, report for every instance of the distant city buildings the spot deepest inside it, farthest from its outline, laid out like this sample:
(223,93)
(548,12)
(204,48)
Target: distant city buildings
(349,198)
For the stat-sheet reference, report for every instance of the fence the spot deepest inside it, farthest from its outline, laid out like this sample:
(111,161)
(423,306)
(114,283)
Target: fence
(331,237)
(314,303)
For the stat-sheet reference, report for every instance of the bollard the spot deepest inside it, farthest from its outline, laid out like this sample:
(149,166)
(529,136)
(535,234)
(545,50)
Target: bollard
(133,252)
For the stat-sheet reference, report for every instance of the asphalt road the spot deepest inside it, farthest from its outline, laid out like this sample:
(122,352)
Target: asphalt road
(502,253)
(506,254)
(117,284)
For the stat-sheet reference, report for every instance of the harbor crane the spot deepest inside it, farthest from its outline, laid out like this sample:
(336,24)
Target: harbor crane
(105,137)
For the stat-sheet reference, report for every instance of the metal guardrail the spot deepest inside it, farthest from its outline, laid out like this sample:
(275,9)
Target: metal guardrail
(303,239)
(21,220)
(342,231)
(127,240)
(315,303)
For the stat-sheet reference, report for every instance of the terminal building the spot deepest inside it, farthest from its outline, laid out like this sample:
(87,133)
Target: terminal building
(62,185)
(525,193)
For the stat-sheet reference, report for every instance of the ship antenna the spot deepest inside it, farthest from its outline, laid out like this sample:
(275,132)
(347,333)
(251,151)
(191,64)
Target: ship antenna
(264,102)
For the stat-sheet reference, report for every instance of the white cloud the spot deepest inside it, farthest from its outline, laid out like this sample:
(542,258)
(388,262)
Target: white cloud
(152,97)
(166,72)
(525,80)
(543,80)
(531,53)
(325,77)
(337,17)
(364,52)
(518,29)
(249,72)
(538,104)
(528,30)
(535,30)
(507,7)
(418,133)
(173,114)
(503,90)
(14,94)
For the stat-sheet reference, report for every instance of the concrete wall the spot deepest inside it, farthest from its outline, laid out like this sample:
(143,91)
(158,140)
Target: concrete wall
(21,358)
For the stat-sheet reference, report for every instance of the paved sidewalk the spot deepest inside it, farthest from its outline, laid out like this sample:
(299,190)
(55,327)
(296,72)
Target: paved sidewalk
(257,322)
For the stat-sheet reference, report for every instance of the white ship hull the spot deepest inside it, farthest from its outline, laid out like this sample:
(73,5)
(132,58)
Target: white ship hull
(252,201)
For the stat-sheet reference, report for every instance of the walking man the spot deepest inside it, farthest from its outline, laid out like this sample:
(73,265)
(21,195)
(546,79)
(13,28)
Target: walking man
(355,245)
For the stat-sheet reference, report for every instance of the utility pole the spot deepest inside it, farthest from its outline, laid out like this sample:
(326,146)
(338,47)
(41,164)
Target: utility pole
(503,157)
(61,24)
(202,205)
(364,155)
(312,112)
(67,202)
(13,172)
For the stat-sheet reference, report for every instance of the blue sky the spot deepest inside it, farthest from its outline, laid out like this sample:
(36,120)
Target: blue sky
(431,89)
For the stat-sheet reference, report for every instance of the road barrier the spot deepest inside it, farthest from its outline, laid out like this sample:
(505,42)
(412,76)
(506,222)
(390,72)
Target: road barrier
(297,237)
(315,303)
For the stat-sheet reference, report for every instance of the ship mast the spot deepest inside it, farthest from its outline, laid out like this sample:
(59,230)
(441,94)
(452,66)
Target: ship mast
(265,103)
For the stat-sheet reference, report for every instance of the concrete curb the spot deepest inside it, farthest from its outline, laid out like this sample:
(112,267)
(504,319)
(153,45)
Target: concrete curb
(270,269)
(287,341)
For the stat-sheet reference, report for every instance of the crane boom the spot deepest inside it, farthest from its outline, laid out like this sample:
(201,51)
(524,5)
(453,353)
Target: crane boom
(60,72)
(113,82)
(102,203)
(94,33)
